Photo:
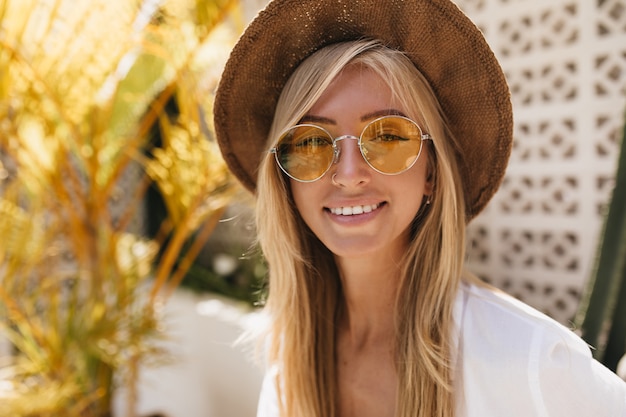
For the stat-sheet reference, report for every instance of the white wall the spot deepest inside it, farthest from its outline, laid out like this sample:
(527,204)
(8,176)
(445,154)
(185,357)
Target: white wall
(208,375)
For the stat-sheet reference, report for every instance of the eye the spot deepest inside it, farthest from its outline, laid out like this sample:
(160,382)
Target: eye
(311,142)
(388,138)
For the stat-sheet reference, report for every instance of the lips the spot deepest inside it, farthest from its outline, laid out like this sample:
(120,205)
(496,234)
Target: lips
(353,210)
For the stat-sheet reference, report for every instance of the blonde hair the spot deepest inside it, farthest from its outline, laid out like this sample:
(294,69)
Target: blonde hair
(304,286)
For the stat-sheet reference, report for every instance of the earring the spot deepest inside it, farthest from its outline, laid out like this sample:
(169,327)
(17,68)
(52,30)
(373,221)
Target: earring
(428,200)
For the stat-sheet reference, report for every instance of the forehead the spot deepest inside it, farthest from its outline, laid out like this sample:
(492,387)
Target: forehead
(357,91)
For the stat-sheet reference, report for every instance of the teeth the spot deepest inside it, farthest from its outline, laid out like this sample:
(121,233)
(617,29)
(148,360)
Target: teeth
(349,211)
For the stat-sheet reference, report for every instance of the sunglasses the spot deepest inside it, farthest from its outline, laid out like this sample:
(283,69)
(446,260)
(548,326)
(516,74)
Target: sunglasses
(389,144)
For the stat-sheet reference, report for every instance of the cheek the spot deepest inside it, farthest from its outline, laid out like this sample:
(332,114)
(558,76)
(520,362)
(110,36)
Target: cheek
(420,177)
(303,197)
(421,186)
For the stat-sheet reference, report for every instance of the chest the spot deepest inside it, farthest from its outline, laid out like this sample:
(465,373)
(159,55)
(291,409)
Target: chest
(366,383)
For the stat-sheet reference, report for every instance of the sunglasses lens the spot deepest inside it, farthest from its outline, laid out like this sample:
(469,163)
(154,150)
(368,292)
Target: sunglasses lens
(305,152)
(391,144)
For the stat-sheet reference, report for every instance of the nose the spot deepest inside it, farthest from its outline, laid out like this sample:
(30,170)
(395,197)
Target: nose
(350,168)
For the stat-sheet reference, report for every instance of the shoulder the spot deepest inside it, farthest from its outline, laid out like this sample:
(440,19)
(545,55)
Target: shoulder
(268,398)
(507,346)
(486,309)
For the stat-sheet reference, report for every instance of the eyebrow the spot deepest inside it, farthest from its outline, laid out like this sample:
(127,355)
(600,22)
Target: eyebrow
(309,118)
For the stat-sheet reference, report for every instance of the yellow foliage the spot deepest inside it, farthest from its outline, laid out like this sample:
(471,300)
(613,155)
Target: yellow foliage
(83,83)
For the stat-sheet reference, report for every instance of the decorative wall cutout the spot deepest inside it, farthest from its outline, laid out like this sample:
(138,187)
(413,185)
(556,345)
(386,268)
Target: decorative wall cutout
(565,61)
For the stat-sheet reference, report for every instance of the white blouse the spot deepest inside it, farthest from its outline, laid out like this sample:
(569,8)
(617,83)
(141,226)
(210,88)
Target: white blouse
(516,362)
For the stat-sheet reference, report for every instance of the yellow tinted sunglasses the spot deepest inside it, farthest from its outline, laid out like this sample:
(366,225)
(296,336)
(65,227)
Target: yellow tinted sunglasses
(389,144)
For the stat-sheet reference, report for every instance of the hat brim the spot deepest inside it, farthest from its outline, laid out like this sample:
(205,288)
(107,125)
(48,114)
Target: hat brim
(447,48)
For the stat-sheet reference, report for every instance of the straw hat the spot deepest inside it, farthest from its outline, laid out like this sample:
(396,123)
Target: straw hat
(440,40)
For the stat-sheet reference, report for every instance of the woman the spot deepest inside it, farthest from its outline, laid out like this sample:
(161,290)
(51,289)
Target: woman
(371,136)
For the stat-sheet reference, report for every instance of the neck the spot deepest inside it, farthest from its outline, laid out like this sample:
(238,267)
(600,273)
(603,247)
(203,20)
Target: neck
(369,292)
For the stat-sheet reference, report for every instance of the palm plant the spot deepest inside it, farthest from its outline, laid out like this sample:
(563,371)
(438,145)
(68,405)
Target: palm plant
(82,85)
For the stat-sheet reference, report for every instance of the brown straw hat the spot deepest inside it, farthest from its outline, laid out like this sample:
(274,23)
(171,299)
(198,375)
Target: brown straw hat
(440,40)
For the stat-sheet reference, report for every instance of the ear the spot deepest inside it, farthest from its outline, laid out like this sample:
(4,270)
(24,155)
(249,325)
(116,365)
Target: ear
(429,184)
(427,197)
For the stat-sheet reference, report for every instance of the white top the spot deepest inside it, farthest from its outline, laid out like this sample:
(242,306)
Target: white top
(514,361)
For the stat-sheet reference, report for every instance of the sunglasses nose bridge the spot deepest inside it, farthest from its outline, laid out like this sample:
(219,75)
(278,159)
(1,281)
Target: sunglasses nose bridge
(337,149)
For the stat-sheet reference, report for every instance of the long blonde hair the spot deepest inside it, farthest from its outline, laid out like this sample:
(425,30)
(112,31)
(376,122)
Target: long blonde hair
(304,286)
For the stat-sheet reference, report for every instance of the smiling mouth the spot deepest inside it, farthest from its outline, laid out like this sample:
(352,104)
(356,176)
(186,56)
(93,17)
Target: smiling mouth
(353,210)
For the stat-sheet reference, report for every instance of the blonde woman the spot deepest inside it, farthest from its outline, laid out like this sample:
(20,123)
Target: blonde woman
(371,136)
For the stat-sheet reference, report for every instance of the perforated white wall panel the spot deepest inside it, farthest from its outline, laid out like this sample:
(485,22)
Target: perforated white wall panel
(565,61)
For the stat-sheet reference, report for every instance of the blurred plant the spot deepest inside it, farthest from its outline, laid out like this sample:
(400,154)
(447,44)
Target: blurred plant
(232,271)
(602,314)
(82,84)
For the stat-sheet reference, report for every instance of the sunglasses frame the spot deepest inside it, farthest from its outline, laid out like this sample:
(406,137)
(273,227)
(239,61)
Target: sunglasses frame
(337,150)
